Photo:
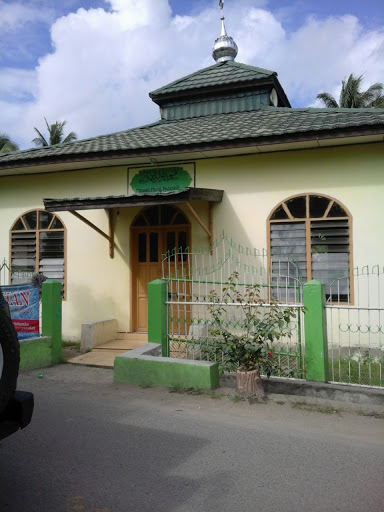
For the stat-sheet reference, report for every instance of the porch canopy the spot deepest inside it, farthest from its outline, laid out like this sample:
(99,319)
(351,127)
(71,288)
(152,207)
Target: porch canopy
(111,203)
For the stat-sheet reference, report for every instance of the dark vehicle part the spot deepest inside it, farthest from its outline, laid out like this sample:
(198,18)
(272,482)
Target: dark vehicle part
(9,355)
(16,407)
(17,414)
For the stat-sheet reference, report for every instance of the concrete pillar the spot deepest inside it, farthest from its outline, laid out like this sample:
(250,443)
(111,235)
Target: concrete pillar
(315,325)
(157,314)
(51,316)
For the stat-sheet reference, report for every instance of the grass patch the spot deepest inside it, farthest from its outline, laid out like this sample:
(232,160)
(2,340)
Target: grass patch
(255,400)
(280,402)
(313,407)
(372,414)
(238,398)
(188,391)
(351,372)
(214,395)
(71,344)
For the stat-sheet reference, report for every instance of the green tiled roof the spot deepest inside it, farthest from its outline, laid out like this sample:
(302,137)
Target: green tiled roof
(224,130)
(222,73)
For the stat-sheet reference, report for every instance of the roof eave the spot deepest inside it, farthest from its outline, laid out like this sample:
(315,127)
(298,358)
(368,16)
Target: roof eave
(214,89)
(297,137)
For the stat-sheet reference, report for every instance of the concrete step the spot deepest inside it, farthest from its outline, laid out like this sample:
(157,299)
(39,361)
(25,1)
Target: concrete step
(103,356)
(99,359)
(125,344)
(132,336)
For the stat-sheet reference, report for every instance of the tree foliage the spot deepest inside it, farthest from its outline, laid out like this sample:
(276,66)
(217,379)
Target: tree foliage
(56,135)
(352,96)
(6,144)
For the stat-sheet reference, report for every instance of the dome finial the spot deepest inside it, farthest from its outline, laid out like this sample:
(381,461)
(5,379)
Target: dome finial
(225,47)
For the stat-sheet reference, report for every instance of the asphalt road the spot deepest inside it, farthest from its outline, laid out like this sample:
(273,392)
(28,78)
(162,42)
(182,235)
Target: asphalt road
(94,446)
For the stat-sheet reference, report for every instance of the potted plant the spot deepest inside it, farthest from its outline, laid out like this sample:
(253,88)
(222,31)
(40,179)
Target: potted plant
(244,342)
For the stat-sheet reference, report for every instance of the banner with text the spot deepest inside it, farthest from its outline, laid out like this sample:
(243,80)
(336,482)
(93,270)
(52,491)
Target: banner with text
(23,301)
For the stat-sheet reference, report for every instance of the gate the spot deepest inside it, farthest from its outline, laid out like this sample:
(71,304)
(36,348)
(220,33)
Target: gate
(204,275)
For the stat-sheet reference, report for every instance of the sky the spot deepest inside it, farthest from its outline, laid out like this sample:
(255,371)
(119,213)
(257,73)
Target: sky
(92,63)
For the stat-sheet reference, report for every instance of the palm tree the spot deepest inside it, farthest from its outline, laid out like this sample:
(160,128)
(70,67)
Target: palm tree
(352,96)
(6,145)
(56,135)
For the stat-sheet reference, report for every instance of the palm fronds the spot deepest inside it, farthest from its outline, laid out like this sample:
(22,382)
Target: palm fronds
(352,96)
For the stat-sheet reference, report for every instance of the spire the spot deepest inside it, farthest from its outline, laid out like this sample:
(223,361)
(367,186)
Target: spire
(225,47)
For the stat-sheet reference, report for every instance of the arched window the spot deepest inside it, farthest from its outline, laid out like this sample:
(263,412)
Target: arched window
(311,234)
(38,245)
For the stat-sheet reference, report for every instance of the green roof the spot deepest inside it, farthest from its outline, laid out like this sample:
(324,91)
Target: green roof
(220,74)
(219,130)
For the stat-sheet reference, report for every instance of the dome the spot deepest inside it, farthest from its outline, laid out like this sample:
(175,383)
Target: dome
(225,47)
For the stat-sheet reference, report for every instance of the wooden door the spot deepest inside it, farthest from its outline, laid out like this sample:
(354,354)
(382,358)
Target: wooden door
(146,268)
(150,240)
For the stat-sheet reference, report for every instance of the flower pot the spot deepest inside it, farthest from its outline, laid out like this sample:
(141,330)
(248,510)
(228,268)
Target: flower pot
(249,383)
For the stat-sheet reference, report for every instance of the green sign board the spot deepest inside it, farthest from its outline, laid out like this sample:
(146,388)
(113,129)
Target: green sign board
(160,180)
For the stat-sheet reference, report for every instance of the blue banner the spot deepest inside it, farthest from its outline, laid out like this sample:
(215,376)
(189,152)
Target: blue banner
(23,302)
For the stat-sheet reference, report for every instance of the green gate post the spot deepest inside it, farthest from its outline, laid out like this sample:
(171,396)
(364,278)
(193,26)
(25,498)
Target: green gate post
(157,314)
(315,325)
(51,316)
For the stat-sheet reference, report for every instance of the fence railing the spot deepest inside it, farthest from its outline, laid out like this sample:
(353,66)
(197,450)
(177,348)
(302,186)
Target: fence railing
(194,277)
(191,326)
(4,272)
(355,328)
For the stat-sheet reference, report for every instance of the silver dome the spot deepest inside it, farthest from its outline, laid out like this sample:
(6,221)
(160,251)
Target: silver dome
(225,47)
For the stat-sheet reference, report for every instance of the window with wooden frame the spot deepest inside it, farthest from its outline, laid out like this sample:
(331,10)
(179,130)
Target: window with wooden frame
(310,236)
(37,245)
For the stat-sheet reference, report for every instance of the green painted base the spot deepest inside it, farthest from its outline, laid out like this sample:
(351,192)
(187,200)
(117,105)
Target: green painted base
(139,369)
(35,353)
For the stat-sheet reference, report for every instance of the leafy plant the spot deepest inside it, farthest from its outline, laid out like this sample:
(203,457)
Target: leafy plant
(247,343)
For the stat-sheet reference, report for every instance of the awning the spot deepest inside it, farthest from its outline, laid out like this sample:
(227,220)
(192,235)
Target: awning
(111,203)
(94,203)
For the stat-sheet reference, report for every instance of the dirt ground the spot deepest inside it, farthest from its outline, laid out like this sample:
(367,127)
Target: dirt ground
(70,350)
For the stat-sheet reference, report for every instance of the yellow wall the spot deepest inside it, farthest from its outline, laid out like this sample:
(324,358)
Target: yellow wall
(254,185)
(99,287)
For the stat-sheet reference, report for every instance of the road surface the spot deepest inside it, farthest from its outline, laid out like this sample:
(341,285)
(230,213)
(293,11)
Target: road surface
(94,446)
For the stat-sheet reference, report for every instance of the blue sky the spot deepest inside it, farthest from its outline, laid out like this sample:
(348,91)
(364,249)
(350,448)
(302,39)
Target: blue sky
(93,62)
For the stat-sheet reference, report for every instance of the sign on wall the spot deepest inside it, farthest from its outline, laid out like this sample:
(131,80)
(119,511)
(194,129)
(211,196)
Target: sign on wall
(23,302)
(161,180)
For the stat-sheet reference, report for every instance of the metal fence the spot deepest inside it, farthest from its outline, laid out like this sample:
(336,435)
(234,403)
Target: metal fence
(197,280)
(4,272)
(9,276)
(355,327)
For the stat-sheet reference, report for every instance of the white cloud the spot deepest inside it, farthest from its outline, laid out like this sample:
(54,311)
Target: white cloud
(104,63)
(14,15)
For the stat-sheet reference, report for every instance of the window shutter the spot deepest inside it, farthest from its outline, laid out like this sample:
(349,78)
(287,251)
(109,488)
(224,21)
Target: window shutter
(330,256)
(288,249)
(51,254)
(23,256)
(288,260)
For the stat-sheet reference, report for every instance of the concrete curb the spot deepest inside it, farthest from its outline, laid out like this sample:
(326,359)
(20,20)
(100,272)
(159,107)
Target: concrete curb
(329,391)
(144,367)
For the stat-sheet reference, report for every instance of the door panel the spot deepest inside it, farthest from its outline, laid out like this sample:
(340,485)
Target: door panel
(148,245)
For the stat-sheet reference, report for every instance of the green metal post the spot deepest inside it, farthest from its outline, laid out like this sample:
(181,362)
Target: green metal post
(315,325)
(51,316)
(157,314)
